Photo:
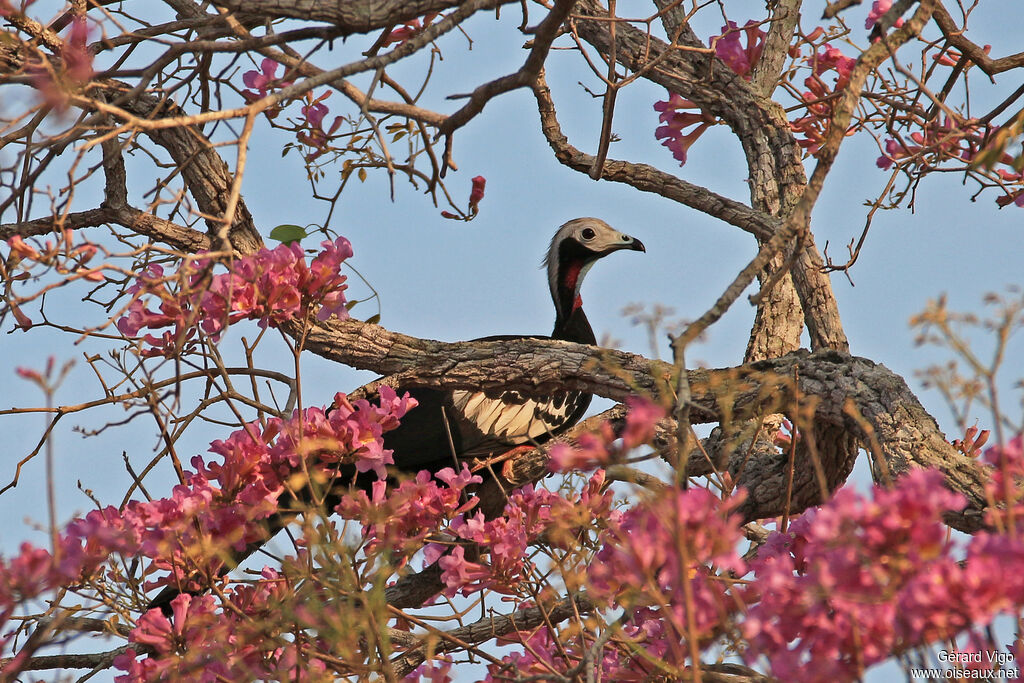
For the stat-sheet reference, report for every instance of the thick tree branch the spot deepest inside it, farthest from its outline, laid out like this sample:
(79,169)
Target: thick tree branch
(159,230)
(853,395)
(361,16)
(784,16)
(50,224)
(97,660)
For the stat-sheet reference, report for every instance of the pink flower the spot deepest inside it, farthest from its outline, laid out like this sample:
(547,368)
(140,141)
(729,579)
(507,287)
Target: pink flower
(460,574)
(596,449)
(477,193)
(75,52)
(639,565)
(641,420)
(893,152)
(878,8)
(316,111)
(22,249)
(589,451)
(29,374)
(262,81)
(738,58)
(418,508)
(813,126)
(854,578)
(1007,461)
(403,33)
(433,671)
(941,139)
(675,121)
(314,134)
(831,58)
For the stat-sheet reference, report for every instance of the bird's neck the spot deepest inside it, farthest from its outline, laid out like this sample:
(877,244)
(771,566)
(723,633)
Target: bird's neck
(571,322)
(574,327)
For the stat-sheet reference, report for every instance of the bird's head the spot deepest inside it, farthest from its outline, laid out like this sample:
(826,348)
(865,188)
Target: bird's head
(574,249)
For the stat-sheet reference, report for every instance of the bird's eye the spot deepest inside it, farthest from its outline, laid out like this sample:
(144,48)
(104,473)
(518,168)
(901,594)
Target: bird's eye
(627,238)
(587,234)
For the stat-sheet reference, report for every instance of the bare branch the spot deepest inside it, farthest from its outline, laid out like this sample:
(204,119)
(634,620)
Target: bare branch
(648,178)
(496,626)
(955,35)
(527,73)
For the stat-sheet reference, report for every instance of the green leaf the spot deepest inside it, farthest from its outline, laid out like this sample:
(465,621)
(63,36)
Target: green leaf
(288,233)
(374,319)
(362,175)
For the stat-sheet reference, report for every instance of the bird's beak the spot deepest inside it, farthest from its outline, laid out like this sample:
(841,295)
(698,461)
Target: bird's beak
(617,242)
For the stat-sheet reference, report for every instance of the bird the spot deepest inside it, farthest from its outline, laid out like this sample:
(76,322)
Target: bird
(482,424)
(448,427)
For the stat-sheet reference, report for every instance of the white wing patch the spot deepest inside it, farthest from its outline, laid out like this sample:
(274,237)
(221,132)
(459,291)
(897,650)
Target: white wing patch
(512,417)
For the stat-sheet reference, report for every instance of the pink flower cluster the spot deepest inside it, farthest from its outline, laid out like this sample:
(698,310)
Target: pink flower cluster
(939,140)
(1004,487)
(857,580)
(26,576)
(218,509)
(272,286)
(596,449)
(665,558)
(639,568)
(55,85)
(673,114)
(312,133)
(433,671)
(952,138)
(850,584)
(400,521)
(262,82)
(545,652)
(812,127)
(504,540)
(202,642)
(76,54)
(972,442)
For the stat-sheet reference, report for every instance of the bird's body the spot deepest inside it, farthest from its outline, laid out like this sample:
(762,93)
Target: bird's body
(448,426)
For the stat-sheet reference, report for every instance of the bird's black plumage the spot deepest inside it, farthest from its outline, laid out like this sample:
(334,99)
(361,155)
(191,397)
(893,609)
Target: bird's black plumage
(450,426)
